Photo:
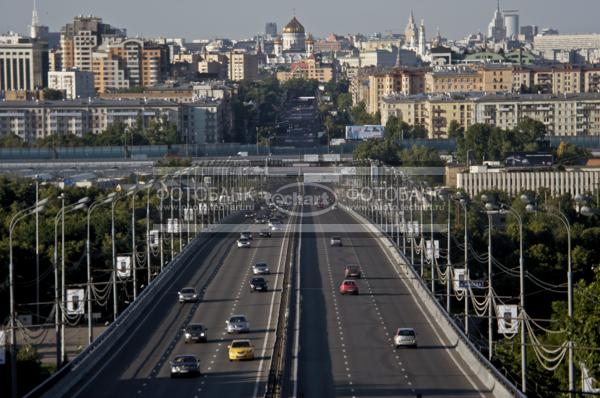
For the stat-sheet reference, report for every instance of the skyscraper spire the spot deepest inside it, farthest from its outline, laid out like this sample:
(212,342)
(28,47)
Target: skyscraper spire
(35,22)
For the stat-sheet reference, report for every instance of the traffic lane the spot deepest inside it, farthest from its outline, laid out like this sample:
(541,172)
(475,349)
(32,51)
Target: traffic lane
(233,297)
(315,377)
(435,368)
(146,343)
(363,364)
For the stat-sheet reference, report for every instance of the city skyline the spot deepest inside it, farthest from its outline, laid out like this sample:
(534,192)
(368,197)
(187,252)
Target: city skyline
(319,19)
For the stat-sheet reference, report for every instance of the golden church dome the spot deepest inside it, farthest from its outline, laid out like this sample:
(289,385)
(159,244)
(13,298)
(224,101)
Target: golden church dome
(293,27)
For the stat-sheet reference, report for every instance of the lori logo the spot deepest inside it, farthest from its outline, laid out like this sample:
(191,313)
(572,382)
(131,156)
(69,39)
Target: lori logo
(316,198)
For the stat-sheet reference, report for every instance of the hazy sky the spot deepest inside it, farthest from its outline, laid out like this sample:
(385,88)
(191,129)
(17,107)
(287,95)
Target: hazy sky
(243,18)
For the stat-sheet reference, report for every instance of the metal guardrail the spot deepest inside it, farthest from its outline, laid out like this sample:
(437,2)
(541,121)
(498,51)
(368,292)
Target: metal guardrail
(278,360)
(494,372)
(105,340)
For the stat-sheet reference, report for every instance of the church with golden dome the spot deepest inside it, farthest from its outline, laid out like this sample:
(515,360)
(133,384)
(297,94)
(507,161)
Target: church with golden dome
(294,36)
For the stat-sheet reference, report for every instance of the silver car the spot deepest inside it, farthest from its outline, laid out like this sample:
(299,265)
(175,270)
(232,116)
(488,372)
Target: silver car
(185,365)
(243,243)
(187,295)
(238,324)
(261,269)
(405,337)
(335,241)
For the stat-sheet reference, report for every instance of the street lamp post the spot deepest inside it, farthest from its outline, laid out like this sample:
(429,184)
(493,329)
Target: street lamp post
(133,193)
(149,262)
(91,208)
(74,207)
(36,208)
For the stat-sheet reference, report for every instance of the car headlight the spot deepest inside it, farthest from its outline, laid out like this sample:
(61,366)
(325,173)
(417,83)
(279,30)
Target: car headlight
(187,335)
(201,334)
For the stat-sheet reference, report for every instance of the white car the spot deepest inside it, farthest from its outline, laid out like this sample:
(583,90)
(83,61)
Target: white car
(405,337)
(238,324)
(260,269)
(275,226)
(243,243)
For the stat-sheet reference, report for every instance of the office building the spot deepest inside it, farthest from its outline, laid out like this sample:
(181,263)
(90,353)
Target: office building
(511,22)
(74,83)
(23,63)
(271,29)
(496,28)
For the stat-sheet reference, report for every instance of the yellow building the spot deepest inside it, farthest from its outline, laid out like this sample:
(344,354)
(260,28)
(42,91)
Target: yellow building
(309,69)
(243,66)
(564,115)
(453,79)
(434,112)
(397,81)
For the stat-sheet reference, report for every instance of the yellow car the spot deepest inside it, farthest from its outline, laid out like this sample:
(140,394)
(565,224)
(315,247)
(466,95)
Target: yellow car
(240,349)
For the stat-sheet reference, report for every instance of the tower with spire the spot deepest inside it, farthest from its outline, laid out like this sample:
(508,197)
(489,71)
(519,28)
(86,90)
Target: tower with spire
(34,29)
(410,33)
(497,28)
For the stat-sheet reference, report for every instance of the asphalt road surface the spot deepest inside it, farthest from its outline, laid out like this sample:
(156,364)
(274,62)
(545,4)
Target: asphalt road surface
(140,367)
(346,342)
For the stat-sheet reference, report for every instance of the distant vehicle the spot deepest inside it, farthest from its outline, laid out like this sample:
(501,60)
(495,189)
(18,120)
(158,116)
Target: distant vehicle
(238,324)
(405,337)
(185,365)
(243,243)
(246,235)
(240,349)
(261,268)
(187,295)
(260,220)
(335,241)
(249,214)
(258,285)
(195,332)
(353,271)
(349,287)
(243,154)
(265,233)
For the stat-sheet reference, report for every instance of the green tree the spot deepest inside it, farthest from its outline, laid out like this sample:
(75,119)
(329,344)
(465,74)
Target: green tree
(384,151)
(12,141)
(455,130)
(570,154)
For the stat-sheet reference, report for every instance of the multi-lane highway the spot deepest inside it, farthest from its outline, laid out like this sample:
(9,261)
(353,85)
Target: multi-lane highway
(140,366)
(346,342)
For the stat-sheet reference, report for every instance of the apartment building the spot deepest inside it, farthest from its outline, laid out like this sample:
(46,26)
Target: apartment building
(197,122)
(399,80)
(146,63)
(563,115)
(309,69)
(434,112)
(79,38)
(242,66)
(74,83)
(109,73)
(453,79)
(23,63)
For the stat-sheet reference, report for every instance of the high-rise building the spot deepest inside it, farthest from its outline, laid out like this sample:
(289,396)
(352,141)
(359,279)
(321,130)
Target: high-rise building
(422,39)
(528,32)
(23,63)
(75,83)
(242,66)
(271,29)
(511,22)
(496,28)
(79,39)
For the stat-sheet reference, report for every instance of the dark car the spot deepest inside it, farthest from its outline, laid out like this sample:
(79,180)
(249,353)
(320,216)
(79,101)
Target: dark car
(185,365)
(353,271)
(258,285)
(195,332)
(265,233)
(335,241)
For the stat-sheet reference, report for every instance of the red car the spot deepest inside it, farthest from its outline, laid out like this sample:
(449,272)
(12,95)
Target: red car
(349,287)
